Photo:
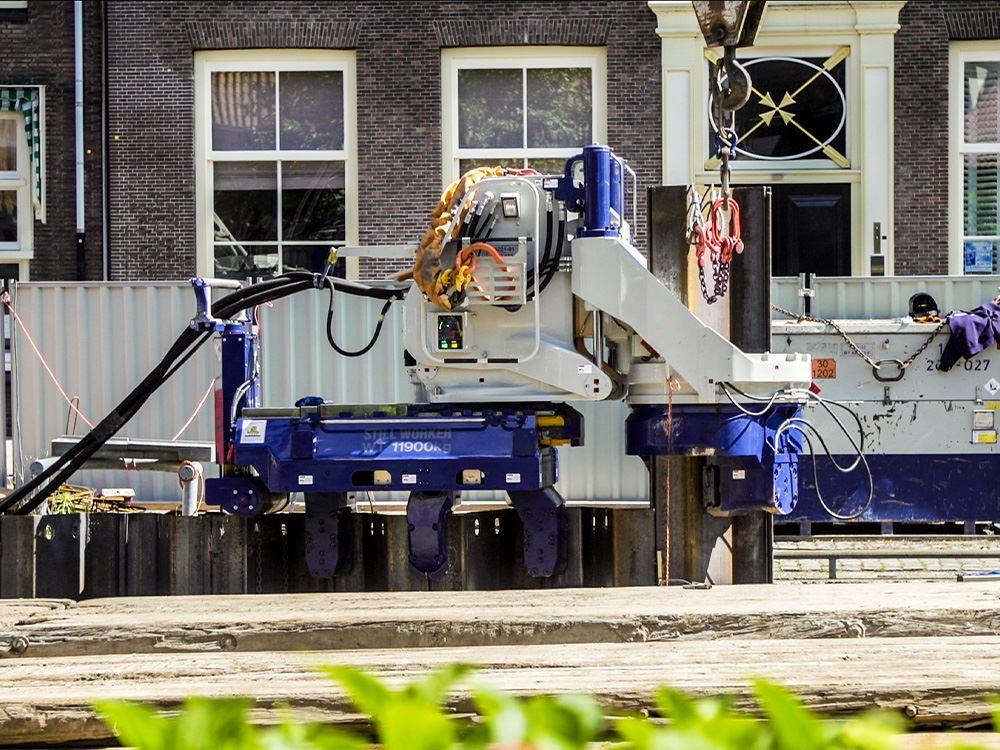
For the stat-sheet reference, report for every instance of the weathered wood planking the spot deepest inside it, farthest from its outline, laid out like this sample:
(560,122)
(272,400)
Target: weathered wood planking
(326,621)
(939,681)
(97,555)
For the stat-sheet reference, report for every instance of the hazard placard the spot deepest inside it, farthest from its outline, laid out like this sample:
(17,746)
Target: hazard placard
(824,368)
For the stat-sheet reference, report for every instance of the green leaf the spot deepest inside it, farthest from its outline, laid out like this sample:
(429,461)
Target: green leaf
(502,714)
(640,733)
(368,694)
(408,725)
(135,725)
(214,724)
(794,727)
(291,735)
(434,687)
(673,704)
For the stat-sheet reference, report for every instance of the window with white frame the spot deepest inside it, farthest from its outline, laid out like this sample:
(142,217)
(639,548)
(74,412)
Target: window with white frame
(15,191)
(277,160)
(521,106)
(978,155)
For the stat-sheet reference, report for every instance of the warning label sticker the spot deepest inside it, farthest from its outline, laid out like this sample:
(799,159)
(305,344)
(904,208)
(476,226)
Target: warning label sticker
(824,368)
(253,431)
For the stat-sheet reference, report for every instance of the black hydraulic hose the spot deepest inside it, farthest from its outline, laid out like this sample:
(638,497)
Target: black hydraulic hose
(187,343)
(530,277)
(473,226)
(378,327)
(185,346)
(554,263)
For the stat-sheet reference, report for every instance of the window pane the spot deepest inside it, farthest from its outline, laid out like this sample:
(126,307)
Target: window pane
(489,109)
(312,200)
(559,107)
(310,258)
(246,201)
(8,145)
(982,102)
(242,111)
(312,110)
(548,166)
(464,165)
(981,194)
(981,256)
(241,261)
(8,216)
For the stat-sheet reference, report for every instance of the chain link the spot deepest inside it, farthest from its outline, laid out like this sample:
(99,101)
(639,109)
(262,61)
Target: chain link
(876,365)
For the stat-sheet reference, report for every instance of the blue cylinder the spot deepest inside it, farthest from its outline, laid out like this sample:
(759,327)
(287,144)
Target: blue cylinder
(599,192)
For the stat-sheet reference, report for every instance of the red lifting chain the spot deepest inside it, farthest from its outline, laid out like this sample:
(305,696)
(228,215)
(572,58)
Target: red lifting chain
(718,242)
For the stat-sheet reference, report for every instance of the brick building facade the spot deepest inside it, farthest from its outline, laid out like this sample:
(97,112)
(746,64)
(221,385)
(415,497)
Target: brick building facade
(145,53)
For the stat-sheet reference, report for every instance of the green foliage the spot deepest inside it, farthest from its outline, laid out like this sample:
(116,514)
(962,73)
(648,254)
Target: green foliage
(415,717)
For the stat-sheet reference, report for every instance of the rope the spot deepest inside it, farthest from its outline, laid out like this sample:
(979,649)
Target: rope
(5,298)
(197,409)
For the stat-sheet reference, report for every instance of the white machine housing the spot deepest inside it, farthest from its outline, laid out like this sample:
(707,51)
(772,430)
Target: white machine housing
(587,335)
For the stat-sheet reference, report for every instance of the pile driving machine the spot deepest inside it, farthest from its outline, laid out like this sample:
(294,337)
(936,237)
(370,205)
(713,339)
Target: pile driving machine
(527,295)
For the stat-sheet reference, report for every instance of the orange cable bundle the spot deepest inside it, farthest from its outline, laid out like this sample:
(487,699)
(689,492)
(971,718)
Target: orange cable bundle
(444,221)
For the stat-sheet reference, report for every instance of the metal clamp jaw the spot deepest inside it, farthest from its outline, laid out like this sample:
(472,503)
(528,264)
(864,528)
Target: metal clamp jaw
(203,319)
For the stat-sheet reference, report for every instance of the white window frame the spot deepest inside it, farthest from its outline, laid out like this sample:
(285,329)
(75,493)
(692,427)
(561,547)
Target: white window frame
(13,4)
(524,58)
(19,181)
(784,166)
(276,61)
(961,53)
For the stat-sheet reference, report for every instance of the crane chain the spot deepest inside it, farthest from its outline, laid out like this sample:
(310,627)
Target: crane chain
(877,366)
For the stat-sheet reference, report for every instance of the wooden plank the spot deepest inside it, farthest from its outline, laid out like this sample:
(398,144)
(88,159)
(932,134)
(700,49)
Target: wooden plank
(17,568)
(940,681)
(227,554)
(59,558)
(141,554)
(104,569)
(467,618)
(183,555)
(633,542)
(490,543)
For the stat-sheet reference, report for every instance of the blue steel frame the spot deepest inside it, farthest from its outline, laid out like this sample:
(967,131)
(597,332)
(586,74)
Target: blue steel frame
(747,471)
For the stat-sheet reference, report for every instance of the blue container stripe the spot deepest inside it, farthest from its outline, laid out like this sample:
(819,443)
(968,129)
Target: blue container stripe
(908,488)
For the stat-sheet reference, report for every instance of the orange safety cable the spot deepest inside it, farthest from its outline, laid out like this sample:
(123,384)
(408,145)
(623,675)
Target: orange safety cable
(5,298)
(197,409)
(468,256)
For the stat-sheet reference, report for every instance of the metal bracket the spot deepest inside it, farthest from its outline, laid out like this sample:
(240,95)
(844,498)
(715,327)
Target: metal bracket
(329,534)
(203,319)
(546,530)
(427,523)
(786,482)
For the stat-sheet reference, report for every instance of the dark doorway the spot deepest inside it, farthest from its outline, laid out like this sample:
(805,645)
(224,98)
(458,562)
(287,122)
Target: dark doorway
(812,230)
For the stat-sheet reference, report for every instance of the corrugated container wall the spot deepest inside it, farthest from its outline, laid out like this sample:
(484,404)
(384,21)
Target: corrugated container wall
(101,339)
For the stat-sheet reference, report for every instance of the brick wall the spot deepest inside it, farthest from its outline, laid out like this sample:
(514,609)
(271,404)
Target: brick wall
(36,48)
(399,109)
(921,128)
